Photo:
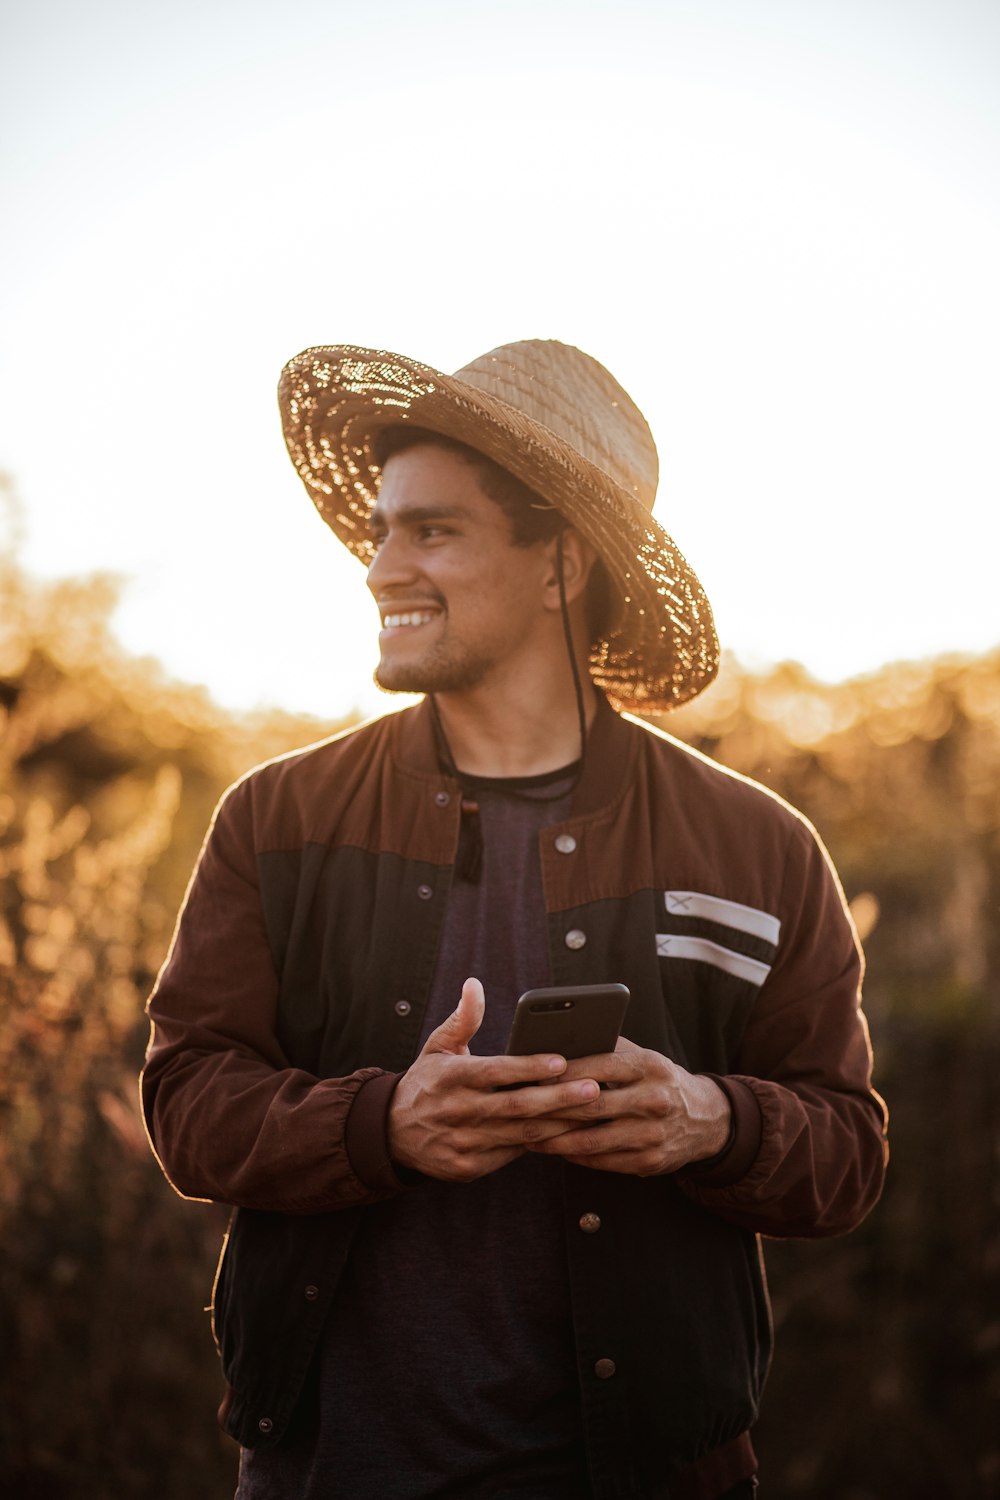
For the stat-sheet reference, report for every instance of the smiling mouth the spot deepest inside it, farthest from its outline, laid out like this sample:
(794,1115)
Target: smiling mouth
(408,618)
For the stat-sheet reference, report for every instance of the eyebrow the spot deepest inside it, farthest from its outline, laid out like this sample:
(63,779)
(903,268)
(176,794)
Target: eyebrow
(415,515)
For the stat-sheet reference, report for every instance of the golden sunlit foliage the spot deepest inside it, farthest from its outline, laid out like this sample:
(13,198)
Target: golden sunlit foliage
(108,774)
(901,773)
(887,1374)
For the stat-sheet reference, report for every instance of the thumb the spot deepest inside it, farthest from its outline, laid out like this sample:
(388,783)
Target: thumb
(455,1033)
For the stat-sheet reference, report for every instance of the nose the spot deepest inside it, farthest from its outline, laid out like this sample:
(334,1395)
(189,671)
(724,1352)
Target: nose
(391,565)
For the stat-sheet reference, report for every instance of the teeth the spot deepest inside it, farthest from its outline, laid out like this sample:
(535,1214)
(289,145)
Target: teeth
(392,622)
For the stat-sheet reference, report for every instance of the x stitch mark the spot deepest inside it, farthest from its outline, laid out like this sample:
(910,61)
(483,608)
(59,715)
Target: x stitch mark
(677,903)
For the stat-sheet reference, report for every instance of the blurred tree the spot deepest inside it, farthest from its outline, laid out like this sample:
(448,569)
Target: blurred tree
(108,774)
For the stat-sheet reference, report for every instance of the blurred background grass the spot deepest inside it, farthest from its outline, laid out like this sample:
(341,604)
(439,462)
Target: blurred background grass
(887,1374)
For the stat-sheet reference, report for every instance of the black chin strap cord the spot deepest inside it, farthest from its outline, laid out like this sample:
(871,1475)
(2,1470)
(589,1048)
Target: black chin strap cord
(573,665)
(469,861)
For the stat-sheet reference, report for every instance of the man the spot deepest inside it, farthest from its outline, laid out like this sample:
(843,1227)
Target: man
(453,1272)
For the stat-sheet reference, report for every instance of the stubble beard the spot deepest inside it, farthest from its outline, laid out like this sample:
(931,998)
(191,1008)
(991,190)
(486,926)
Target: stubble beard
(437,671)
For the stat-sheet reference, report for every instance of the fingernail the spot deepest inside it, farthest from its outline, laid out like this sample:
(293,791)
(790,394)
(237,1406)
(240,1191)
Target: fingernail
(556,1064)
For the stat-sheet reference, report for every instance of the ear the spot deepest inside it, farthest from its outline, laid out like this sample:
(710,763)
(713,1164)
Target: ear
(578,557)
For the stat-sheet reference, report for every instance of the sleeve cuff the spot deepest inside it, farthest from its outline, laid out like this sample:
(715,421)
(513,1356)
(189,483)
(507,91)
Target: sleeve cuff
(740,1151)
(366,1134)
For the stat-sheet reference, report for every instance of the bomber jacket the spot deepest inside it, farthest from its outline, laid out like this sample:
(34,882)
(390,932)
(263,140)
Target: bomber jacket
(293,995)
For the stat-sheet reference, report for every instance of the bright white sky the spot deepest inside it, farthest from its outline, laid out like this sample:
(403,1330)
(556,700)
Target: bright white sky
(776,221)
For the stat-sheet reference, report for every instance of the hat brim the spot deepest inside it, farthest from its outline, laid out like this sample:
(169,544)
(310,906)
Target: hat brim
(662,650)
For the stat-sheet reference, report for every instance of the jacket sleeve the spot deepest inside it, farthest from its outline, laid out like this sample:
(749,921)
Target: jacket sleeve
(228,1117)
(808,1149)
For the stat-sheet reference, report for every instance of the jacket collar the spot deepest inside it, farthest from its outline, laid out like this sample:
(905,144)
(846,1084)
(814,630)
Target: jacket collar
(607,763)
(608,760)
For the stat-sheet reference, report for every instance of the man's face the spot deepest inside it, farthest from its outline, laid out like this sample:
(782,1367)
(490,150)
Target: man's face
(460,603)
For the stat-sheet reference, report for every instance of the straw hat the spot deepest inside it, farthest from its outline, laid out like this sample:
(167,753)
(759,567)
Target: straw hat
(556,419)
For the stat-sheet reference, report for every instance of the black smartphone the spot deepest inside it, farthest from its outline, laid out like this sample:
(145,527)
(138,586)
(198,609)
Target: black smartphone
(575,1020)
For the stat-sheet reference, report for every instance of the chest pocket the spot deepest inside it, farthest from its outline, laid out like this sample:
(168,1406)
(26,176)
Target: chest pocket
(714,955)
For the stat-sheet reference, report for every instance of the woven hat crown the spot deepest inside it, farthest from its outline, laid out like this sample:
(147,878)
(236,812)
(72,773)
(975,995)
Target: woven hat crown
(576,398)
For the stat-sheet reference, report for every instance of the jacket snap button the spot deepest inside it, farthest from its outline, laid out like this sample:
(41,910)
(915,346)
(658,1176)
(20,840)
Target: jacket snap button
(424,892)
(575,938)
(565,843)
(442,799)
(590,1223)
(402,1007)
(312,1292)
(265,1424)
(604,1369)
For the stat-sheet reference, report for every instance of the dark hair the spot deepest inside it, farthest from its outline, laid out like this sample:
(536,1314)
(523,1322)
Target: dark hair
(530,517)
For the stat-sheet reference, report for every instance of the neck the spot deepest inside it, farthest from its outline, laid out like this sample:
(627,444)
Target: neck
(518,733)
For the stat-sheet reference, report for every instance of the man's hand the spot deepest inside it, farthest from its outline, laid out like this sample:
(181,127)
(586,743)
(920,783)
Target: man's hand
(655,1117)
(447,1119)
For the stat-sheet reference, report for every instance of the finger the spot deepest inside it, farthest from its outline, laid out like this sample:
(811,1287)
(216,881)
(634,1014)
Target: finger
(553,1101)
(503,1072)
(530,1133)
(488,1075)
(610,1067)
(597,1140)
(606,1105)
(456,1032)
(504,1134)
